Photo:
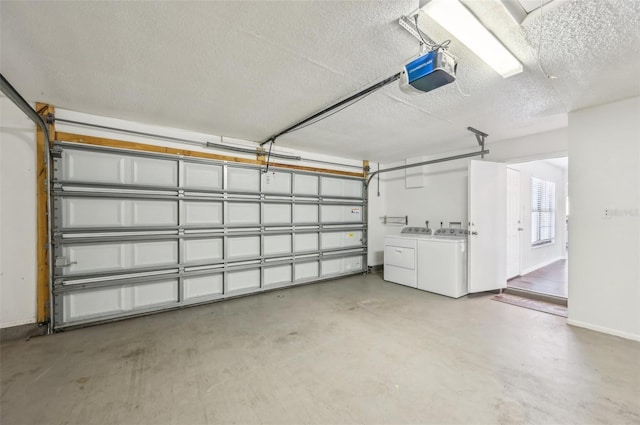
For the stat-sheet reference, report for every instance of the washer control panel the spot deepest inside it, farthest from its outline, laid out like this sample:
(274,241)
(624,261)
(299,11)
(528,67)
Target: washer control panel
(450,231)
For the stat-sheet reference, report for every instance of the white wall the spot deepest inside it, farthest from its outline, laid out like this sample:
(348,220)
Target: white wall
(533,258)
(444,194)
(17,217)
(604,172)
(18,263)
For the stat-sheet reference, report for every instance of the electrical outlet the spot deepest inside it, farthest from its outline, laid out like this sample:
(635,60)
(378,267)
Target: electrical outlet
(606,213)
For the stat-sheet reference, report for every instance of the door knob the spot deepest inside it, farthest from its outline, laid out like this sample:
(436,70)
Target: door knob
(474,233)
(520,229)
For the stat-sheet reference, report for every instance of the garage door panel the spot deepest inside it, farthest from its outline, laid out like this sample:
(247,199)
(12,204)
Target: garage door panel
(154,213)
(87,212)
(243,279)
(101,167)
(150,294)
(200,250)
(332,186)
(333,240)
(202,176)
(93,167)
(243,213)
(307,271)
(306,213)
(276,182)
(95,258)
(91,212)
(336,266)
(202,213)
(305,242)
(94,303)
(106,302)
(278,275)
(154,172)
(109,257)
(203,286)
(160,253)
(306,184)
(277,244)
(243,179)
(341,213)
(277,214)
(245,246)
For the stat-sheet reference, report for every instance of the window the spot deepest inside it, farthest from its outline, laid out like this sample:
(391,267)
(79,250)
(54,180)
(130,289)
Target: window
(543,212)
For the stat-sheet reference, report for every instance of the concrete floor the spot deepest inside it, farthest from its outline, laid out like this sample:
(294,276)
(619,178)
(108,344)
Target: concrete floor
(354,350)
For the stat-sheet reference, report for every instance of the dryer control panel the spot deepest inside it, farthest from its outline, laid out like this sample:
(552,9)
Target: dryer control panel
(416,231)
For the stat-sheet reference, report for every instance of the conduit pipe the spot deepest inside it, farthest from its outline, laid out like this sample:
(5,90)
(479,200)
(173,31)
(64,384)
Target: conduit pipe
(24,106)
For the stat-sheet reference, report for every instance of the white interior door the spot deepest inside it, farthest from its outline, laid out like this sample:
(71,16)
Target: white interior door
(514,222)
(487,226)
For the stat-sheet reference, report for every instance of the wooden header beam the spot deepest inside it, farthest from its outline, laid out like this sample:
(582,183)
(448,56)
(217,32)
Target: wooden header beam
(114,143)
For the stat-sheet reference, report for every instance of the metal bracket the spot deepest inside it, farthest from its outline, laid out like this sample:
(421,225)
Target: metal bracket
(479,137)
(64,262)
(56,152)
(410,26)
(57,237)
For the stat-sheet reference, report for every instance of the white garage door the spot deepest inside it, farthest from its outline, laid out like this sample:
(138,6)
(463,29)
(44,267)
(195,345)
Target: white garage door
(137,232)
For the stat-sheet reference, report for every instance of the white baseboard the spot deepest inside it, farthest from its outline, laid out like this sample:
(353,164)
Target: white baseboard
(540,265)
(17,323)
(626,335)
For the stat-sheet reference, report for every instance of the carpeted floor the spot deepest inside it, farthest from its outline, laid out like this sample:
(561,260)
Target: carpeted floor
(543,306)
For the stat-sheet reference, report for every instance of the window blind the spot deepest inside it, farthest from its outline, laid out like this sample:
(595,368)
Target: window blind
(543,207)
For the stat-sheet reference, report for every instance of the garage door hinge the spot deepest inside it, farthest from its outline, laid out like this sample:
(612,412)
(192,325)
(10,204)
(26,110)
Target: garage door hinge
(64,262)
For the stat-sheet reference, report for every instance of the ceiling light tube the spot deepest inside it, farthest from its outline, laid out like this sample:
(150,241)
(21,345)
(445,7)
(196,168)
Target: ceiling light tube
(454,17)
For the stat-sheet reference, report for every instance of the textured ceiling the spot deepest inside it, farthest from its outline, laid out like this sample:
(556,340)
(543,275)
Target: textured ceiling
(249,69)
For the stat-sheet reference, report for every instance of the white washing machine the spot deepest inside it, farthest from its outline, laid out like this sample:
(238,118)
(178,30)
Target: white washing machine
(435,263)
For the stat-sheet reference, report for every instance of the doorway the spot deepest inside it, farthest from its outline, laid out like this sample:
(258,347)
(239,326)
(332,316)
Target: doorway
(537,227)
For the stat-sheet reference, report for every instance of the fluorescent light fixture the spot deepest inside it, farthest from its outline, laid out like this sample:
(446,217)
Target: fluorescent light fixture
(463,25)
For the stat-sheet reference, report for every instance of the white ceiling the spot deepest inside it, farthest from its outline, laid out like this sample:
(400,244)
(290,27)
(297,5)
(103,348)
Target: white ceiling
(249,69)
